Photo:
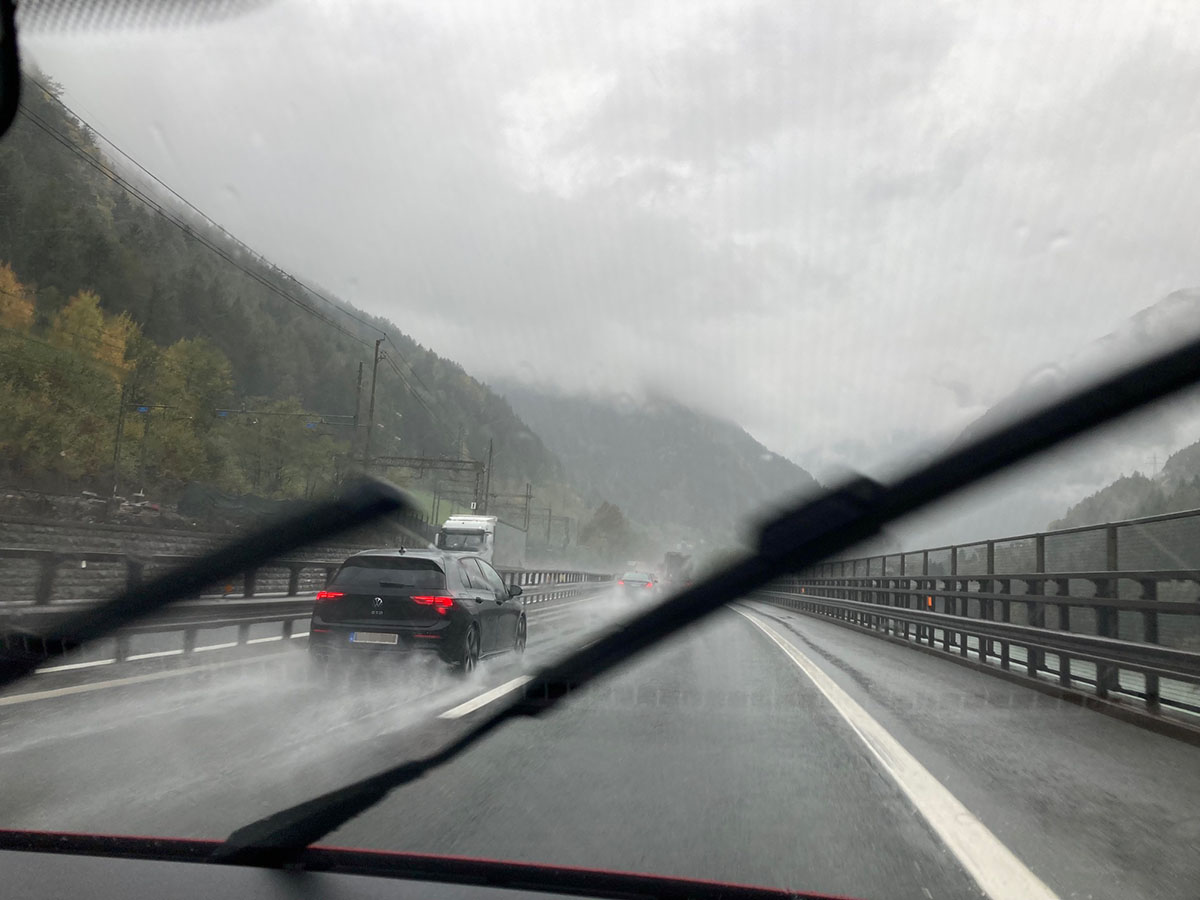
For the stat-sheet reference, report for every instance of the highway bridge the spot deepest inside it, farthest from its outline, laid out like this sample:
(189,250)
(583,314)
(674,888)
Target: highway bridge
(1016,718)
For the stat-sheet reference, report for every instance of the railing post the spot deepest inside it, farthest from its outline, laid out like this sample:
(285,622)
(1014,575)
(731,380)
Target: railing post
(1106,616)
(48,565)
(293,580)
(250,580)
(1036,611)
(953,601)
(134,571)
(1150,636)
(1062,588)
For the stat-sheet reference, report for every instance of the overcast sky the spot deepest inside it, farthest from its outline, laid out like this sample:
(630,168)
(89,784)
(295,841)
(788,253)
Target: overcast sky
(848,226)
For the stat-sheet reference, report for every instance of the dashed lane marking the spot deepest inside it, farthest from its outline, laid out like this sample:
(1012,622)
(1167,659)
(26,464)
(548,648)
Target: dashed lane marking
(485,698)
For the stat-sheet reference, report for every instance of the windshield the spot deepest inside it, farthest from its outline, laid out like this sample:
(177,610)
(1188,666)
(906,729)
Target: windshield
(620,281)
(462,540)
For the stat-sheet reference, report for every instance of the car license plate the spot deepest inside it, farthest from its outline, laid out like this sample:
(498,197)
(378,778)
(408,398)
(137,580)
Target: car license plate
(373,637)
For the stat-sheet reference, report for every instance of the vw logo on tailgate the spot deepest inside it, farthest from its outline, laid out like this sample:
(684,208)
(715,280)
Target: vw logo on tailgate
(378,601)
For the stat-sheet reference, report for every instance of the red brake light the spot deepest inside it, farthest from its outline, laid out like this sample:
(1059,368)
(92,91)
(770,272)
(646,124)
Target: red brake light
(649,584)
(326,596)
(621,582)
(441,604)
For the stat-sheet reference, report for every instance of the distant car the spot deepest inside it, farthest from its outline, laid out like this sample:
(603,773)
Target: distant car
(637,585)
(384,602)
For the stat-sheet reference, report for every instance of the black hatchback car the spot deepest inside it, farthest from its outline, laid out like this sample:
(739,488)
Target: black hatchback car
(403,601)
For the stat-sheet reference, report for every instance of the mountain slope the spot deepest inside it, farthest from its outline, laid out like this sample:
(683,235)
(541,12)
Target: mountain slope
(68,226)
(1175,488)
(686,475)
(1032,495)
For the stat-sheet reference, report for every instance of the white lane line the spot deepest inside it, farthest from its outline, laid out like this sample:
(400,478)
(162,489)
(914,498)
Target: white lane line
(156,655)
(994,867)
(266,640)
(224,646)
(132,679)
(79,665)
(485,698)
(300,635)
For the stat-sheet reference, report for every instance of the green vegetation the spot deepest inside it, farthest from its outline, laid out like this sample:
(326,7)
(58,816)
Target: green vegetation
(87,389)
(1134,496)
(111,301)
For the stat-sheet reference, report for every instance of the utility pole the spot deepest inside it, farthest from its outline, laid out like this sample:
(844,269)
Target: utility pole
(528,501)
(371,408)
(549,519)
(117,445)
(142,454)
(358,401)
(487,484)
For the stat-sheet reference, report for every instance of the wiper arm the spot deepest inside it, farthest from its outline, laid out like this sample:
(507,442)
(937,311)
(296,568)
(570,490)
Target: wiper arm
(832,522)
(358,506)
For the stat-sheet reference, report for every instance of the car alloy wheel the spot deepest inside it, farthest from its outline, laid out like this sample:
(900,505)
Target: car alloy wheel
(470,657)
(522,635)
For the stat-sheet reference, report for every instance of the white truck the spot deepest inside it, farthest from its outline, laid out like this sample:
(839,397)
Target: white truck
(501,544)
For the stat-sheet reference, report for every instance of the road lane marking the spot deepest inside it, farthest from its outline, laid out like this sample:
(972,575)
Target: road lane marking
(266,640)
(994,867)
(79,665)
(158,654)
(224,646)
(485,698)
(131,679)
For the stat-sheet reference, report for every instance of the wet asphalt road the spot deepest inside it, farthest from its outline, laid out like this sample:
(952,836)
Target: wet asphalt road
(713,757)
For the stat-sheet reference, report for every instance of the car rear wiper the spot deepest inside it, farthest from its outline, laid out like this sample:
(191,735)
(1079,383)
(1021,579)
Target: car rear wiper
(831,522)
(361,504)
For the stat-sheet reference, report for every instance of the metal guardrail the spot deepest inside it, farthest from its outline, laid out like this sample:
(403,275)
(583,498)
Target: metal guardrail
(1113,608)
(50,562)
(30,624)
(977,628)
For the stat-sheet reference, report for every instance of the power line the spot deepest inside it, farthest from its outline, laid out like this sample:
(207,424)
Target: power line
(303,285)
(154,206)
(433,417)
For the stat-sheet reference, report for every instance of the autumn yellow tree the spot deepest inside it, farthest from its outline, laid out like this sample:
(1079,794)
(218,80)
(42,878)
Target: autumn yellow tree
(82,327)
(16,301)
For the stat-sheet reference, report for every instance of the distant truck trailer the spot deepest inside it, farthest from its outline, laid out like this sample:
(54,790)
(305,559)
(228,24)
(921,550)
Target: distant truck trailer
(676,568)
(488,537)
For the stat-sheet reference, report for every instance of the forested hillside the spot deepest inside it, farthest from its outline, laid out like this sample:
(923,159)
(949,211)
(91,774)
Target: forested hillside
(1175,488)
(123,323)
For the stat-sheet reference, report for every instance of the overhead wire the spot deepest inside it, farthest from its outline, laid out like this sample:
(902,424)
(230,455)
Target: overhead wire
(183,226)
(260,258)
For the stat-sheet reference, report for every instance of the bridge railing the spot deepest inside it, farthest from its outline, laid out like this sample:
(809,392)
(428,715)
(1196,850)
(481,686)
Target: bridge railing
(278,594)
(1112,610)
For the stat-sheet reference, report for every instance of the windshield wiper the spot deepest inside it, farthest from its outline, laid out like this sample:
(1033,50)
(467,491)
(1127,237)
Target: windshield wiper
(832,522)
(361,504)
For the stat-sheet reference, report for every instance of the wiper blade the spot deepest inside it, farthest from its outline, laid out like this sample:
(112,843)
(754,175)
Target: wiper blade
(361,504)
(803,536)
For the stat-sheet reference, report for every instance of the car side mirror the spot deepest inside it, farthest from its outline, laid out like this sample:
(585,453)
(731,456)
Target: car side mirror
(514,590)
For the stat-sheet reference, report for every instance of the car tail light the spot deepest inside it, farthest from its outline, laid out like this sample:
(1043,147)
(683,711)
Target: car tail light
(649,584)
(441,604)
(329,596)
(620,582)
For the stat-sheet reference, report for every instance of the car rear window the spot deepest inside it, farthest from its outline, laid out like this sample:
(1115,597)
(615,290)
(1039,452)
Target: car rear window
(635,576)
(389,571)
